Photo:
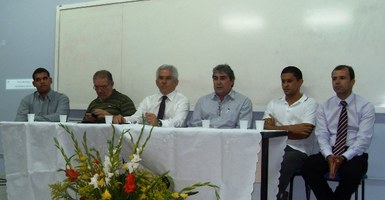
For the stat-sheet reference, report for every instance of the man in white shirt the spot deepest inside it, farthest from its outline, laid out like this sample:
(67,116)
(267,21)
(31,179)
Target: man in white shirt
(176,105)
(348,157)
(295,113)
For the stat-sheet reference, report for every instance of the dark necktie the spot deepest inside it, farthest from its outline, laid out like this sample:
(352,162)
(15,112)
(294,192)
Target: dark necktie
(162,107)
(339,146)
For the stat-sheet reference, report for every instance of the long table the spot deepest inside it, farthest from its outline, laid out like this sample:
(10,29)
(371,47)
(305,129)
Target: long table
(226,157)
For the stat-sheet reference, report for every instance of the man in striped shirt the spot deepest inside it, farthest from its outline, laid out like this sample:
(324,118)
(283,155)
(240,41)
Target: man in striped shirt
(109,101)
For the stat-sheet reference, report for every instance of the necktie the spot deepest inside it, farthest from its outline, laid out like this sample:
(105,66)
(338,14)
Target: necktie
(342,130)
(162,107)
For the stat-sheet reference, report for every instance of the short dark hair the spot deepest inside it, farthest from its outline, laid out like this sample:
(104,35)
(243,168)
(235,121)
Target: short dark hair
(103,74)
(293,70)
(349,68)
(225,68)
(38,71)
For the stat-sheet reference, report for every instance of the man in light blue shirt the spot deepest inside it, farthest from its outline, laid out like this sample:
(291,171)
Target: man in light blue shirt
(224,107)
(45,103)
(352,163)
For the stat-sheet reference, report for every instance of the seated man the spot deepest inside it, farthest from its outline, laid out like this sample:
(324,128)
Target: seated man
(109,101)
(167,108)
(224,107)
(344,131)
(45,103)
(295,113)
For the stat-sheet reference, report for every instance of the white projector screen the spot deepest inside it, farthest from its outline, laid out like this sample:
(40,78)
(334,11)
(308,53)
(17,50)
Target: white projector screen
(257,38)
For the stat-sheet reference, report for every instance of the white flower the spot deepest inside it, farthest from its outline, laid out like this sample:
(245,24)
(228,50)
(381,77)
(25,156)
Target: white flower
(94,180)
(106,165)
(136,158)
(107,179)
(107,162)
(132,166)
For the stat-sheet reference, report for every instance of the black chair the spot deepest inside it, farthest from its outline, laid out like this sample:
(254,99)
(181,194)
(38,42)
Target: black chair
(291,186)
(3,181)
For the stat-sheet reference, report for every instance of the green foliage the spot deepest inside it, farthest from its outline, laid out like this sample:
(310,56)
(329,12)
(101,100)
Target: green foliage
(87,177)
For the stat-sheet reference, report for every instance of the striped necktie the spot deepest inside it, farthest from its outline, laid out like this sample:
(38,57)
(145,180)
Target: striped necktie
(339,146)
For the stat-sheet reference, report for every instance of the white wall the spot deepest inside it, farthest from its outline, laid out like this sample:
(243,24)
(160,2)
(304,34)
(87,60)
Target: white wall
(257,38)
(27,40)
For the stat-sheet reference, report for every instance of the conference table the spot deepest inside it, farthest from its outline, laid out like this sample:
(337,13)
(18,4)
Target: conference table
(228,158)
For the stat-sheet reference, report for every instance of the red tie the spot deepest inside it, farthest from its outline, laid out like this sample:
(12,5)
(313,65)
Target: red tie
(162,107)
(339,146)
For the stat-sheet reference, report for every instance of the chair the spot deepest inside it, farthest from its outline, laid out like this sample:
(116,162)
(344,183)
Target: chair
(3,181)
(291,186)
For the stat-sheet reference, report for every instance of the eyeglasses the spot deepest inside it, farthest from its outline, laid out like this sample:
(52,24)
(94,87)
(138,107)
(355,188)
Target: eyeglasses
(101,87)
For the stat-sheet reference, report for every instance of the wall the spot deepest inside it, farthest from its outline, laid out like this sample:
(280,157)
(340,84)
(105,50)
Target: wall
(27,40)
(133,38)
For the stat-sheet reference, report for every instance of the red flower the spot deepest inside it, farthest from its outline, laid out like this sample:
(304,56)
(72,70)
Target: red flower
(130,183)
(72,174)
(96,161)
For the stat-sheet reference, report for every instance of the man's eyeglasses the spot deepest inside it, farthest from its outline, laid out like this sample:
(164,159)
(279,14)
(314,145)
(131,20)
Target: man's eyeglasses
(101,87)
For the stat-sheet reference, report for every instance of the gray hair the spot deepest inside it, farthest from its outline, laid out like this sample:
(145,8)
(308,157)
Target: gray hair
(171,68)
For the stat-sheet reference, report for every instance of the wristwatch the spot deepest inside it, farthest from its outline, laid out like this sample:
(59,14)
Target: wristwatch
(160,123)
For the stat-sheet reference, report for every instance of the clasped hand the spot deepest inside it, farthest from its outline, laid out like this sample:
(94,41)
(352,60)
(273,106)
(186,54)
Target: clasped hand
(334,164)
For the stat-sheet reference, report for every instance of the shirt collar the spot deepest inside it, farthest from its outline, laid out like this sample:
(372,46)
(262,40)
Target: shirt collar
(300,100)
(230,95)
(48,96)
(348,100)
(114,93)
(170,96)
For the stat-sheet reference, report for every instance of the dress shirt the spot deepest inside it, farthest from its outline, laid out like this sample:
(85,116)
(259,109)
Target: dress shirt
(361,117)
(177,108)
(302,111)
(222,114)
(46,108)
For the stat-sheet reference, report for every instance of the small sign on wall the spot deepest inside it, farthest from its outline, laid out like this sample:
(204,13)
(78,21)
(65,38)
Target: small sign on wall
(18,84)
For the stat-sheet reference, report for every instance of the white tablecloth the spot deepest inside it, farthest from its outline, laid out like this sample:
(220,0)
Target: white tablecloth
(226,157)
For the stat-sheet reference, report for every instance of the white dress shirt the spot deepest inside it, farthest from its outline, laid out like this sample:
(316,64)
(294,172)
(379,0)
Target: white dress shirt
(302,111)
(361,117)
(177,108)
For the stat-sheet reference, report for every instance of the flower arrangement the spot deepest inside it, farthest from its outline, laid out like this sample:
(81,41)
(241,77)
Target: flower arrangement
(89,177)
